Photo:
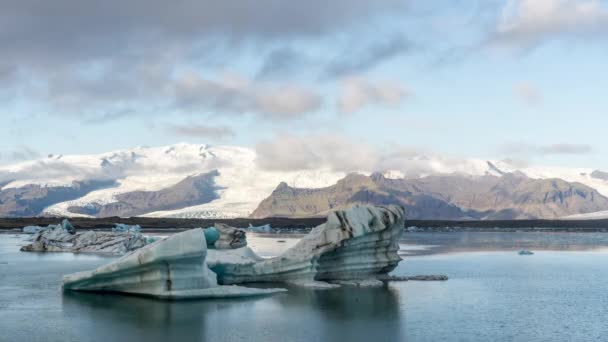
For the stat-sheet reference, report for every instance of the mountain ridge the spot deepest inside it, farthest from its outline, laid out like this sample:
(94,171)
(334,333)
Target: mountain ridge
(143,173)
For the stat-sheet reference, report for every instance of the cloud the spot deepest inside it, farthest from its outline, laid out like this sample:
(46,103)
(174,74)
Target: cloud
(355,56)
(31,26)
(123,55)
(18,154)
(282,61)
(339,153)
(202,131)
(566,149)
(363,59)
(531,150)
(236,95)
(528,93)
(524,24)
(336,152)
(358,92)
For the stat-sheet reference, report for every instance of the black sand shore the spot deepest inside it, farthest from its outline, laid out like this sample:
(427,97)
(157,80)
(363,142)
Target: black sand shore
(158,224)
(170,224)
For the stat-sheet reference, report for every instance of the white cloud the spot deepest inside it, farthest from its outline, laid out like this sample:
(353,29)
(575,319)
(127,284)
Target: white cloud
(528,93)
(337,152)
(358,92)
(527,23)
(520,149)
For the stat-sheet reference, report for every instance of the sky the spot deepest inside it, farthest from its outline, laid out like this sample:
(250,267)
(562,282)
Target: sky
(523,80)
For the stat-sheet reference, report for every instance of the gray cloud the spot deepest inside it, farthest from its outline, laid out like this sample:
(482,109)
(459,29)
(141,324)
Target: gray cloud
(18,154)
(35,31)
(89,59)
(530,150)
(358,92)
(282,61)
(366,58)
(524,24)
(357,56)
(566,149)
(202,131)
(237,95)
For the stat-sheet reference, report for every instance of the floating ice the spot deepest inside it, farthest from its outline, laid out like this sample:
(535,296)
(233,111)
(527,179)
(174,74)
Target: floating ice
(354,246)
(32,229)
(260,229)
(125,228)
(173,268)
(230,237)
(63,238)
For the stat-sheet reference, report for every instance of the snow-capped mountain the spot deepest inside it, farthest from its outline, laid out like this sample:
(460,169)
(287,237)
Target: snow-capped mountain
(191,180)
(240,184)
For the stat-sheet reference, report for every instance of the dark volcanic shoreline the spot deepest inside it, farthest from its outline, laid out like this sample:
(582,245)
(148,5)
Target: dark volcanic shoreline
(159,224)
(170,224)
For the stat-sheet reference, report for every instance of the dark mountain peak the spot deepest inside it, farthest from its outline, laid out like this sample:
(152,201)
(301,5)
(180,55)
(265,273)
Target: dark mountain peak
(354,180)
(377,176)
(282,187)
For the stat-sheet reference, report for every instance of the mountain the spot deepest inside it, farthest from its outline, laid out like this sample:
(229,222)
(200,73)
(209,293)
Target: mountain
(202,181)
(32,199)
(452,196)
(193,190)
(181,180)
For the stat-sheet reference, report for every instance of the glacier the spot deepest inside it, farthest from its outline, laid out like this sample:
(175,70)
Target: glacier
(172,268)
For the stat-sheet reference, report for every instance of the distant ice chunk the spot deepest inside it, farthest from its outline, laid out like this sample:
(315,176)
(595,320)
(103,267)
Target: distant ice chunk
(64,238)
(125,228)
(32,229)
(260,229)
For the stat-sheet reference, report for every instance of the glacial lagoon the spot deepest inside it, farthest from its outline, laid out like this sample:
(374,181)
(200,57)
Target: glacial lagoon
(493,294)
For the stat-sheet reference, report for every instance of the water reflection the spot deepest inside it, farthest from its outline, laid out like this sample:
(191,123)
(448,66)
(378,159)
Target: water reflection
(508,241)
(330,315)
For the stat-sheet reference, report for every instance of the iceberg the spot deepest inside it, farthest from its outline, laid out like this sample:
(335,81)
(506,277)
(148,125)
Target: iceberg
(229,237)
(357,246)
(172,268)
(32,229)
(125,228)
(211,236)
(64,238)
(260,229)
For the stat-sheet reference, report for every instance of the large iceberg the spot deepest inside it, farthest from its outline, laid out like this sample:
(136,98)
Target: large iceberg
(172,268)
(355,247)
(64,238)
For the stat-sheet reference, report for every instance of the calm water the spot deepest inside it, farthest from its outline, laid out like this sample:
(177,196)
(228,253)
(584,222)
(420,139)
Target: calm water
(493,295)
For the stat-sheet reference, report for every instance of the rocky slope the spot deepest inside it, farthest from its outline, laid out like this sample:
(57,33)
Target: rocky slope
(454,196)
(193,190)
(31,199)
